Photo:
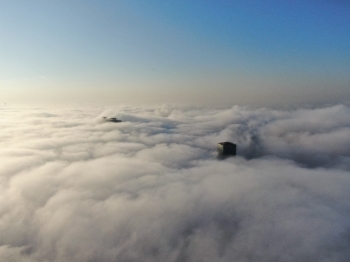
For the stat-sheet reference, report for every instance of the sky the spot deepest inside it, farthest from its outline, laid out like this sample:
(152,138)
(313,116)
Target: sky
(74,188)
(219,53)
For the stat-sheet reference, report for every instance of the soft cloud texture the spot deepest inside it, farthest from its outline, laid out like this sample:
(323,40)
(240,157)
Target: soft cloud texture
(76,188)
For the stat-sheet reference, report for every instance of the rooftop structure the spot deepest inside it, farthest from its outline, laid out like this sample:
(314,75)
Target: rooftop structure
(112,119)
(227,149)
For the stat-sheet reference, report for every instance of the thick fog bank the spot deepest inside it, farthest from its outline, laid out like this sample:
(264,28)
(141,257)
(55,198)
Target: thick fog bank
(76,188)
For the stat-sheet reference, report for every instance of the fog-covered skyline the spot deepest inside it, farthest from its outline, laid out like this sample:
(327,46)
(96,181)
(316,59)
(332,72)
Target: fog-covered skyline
(271,76)
(270,53)
(74,188)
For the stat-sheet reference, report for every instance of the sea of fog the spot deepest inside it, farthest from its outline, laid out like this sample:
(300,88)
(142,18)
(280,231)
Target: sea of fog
(74,188)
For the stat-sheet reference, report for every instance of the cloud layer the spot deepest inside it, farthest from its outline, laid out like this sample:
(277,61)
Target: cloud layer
(76,188)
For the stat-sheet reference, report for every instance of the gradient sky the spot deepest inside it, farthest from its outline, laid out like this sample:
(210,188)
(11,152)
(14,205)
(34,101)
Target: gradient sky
(258,53)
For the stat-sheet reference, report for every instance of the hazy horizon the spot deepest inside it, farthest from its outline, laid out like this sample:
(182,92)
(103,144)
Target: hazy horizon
(271,53)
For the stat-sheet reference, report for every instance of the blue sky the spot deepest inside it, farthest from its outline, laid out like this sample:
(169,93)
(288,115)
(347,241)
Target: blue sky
(201,52)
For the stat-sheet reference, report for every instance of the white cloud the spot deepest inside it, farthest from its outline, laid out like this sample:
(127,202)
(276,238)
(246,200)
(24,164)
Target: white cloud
(75,188)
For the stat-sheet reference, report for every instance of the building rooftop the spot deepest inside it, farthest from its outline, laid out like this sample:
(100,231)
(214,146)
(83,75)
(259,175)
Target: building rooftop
(112,119)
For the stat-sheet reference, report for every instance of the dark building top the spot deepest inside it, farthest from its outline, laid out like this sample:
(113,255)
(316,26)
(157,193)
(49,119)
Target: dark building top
(112,119)
(227,148)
